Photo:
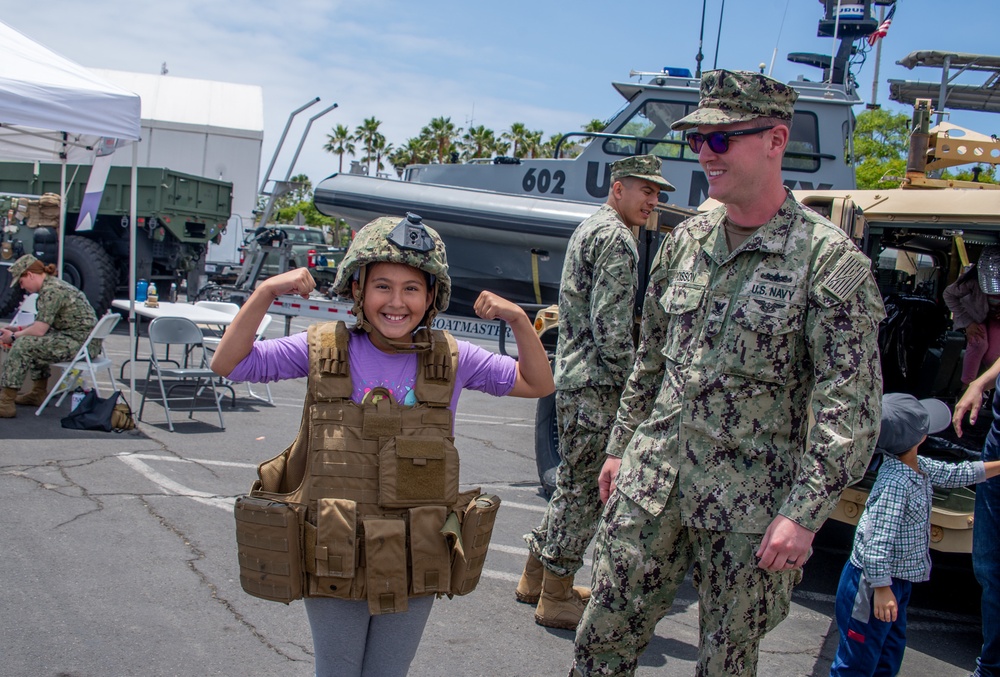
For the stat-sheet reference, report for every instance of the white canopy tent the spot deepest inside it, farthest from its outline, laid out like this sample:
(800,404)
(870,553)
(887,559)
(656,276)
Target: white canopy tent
(54,110)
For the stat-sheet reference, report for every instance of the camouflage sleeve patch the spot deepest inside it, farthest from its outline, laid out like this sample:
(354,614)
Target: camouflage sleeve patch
(847,275)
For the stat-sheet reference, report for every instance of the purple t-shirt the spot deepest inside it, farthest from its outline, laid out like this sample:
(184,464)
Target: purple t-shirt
(288,357)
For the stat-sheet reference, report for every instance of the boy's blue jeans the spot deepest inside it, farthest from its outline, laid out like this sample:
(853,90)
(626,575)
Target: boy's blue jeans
(870,648)
(986,563)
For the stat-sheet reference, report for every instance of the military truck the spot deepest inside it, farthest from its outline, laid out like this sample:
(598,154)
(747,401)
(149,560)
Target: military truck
(920,237)
(178,215)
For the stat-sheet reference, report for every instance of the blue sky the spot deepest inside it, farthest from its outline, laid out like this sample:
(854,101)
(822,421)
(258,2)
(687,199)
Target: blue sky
(548,64)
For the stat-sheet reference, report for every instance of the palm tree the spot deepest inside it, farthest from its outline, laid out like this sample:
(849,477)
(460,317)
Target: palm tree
(478,142)
(416,150)
(365,134)
(302,192)
(517,134)
(594,125)
(533,143)
(340,142)
(442,132)
(382,149)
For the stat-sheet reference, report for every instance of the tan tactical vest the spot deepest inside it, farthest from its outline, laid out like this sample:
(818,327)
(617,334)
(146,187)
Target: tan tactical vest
(364,504)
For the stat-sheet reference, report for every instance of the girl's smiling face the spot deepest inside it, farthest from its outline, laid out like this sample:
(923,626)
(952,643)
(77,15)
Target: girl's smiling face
(396,298)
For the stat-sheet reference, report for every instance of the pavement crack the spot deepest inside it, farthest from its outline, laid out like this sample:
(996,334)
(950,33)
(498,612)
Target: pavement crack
(197,555)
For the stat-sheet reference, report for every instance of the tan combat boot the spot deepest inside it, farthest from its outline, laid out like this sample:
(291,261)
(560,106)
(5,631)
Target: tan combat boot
(7,408)
(559,605)
(34,397)
(529,588)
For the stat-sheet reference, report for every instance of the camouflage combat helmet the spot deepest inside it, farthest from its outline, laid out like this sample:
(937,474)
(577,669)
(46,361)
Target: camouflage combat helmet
(388,239)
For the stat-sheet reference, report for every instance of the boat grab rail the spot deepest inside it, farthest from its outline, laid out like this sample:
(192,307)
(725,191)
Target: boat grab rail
(648,140)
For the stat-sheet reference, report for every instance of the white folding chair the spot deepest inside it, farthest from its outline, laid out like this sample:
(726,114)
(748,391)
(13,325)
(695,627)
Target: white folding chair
(222,307)
(165,331)
(82,362)
(25,314)
(212,342)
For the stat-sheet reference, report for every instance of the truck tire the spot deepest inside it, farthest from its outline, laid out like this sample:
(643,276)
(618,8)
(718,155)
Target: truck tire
(546,443)
(10,297)
(89,268)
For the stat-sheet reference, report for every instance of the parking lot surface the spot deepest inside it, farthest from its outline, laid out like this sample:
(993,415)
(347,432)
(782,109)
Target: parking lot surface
(119,558)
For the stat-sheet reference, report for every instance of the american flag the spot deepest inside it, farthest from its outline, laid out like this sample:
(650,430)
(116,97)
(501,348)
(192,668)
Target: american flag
(883,28)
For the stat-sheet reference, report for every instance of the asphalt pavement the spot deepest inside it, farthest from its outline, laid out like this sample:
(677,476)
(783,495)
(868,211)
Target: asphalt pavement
(119,558)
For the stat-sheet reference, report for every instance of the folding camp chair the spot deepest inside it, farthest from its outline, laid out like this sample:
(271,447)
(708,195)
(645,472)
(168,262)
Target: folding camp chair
(82,362)
(25,314)
(166,331)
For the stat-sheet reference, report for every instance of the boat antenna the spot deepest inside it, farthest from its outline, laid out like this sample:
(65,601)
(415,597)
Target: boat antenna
(833,55)
(701,40)
(718,38)
(774,55)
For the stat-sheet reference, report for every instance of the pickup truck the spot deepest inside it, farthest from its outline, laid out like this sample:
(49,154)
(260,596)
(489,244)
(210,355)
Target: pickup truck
(309,250)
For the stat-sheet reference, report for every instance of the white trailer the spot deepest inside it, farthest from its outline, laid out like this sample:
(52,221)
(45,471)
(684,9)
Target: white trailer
(206,128)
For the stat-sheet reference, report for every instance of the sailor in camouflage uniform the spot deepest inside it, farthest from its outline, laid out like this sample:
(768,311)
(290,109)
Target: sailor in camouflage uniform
(758,313)
(63,320)
(593,359)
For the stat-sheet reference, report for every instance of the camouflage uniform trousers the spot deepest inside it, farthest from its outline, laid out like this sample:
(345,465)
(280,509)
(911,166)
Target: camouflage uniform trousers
(584,418)
(641,560)
(32,355)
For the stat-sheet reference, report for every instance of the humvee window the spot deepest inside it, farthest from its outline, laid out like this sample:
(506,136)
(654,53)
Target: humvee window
(905,272)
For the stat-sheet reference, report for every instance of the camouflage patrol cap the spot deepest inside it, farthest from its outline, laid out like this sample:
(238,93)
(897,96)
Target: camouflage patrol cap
(20,267)
(739,96)
(388,239)
(646,167)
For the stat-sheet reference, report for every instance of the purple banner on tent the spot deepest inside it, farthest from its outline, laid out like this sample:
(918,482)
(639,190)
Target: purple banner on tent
(95,190)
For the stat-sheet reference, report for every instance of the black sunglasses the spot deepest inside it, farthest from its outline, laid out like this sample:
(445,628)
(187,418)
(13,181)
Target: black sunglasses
(719,141)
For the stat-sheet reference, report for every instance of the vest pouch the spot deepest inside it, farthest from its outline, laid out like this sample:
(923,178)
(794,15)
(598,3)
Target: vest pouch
(469,552)
(430,557)
(331,549)
(385,570)
(418,470)
(268,538)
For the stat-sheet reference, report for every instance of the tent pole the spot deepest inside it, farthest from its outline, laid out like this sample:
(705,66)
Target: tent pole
(62,216)
(133,338)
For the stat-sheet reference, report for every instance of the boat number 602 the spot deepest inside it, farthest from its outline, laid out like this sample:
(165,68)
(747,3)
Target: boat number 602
(545,181)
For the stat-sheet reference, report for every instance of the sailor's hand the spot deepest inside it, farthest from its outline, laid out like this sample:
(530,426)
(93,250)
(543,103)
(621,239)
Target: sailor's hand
(489,306)
(786,545)
(296,281)
(609,474)
(6,337)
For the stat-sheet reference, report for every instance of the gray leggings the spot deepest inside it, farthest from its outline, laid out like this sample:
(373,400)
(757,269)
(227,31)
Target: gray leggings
(349,642)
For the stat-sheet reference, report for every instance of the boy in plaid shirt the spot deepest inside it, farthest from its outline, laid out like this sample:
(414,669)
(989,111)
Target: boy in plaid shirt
(892,541)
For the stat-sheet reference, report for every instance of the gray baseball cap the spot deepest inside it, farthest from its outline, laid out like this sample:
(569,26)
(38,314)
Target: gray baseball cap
(905,421)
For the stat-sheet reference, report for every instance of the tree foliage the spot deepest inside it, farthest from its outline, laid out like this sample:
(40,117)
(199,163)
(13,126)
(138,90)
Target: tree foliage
(881,144)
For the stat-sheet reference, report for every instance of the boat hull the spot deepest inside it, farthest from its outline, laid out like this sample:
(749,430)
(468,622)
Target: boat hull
(512,245)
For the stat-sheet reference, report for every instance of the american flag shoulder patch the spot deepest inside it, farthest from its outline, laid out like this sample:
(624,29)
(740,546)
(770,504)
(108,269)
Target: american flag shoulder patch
(846,276)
